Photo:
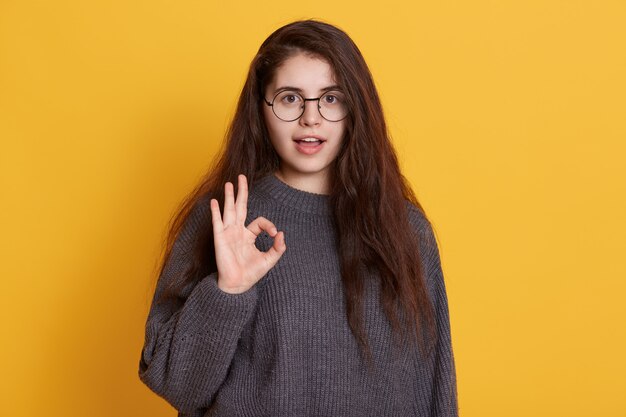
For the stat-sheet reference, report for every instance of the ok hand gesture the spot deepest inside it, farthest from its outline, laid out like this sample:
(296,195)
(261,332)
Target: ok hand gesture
(240,264)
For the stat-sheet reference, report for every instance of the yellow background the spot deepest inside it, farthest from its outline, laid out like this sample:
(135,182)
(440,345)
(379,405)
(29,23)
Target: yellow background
(509,118)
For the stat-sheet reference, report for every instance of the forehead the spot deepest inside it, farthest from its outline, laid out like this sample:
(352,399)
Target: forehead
(303,71)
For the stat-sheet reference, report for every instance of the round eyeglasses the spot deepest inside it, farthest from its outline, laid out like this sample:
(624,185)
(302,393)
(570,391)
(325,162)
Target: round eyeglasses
(289,105)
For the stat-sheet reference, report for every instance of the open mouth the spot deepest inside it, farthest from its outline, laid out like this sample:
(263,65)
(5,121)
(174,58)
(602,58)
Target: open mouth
(309,141)
(309,146)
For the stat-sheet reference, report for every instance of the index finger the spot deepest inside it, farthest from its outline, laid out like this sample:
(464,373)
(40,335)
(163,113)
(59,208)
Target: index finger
(241,205)
(216,216)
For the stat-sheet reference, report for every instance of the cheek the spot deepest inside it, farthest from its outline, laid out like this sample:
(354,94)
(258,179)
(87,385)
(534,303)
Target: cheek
(276,131)
(343,128)
(271,119)
(267,117)
(269,124)
(341,132)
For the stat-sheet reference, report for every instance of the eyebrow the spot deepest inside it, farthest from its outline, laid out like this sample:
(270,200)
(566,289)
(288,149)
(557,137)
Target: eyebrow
(299,90)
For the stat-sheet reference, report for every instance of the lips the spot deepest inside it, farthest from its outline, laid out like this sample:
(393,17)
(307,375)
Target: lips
(310,136)
(309,144)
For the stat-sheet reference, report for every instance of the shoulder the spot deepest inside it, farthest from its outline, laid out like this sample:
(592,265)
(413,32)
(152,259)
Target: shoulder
(200,212)
(426,240)
(420,223)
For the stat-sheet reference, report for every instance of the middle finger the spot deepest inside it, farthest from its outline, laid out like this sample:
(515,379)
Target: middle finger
(229,204)
(241,205)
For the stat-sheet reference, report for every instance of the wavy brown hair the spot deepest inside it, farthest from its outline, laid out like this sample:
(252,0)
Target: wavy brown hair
(368,193)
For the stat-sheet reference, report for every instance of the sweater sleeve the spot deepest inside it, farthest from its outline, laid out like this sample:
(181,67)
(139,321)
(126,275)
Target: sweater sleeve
(188,347)
(444,386)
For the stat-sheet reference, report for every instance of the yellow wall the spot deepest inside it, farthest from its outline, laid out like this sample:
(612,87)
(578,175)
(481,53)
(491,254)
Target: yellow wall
(509,117)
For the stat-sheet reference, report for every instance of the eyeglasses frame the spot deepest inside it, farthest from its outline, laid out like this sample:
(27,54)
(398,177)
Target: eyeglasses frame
(319,107)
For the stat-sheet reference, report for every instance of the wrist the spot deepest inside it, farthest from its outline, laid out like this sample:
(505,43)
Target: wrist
(231,289)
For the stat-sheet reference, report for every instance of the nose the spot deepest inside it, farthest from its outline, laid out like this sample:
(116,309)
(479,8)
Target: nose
(311,115)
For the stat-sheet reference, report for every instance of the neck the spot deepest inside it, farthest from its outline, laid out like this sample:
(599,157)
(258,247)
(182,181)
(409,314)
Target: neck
(316,183)
(286,195)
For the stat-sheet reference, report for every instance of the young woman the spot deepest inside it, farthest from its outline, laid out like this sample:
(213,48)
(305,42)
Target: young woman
(315,288)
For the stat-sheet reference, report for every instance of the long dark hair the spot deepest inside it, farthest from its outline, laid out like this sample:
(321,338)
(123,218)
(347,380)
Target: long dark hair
(368,193)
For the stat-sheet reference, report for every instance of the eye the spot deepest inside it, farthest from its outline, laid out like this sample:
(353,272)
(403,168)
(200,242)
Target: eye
(334,97)
(289,97)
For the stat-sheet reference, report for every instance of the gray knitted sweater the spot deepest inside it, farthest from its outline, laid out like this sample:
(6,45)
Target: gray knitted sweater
(284,347)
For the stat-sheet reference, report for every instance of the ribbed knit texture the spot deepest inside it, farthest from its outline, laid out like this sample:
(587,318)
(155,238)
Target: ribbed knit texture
(284,347)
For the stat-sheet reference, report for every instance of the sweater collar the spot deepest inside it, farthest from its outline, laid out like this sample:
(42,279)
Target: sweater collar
(293,197)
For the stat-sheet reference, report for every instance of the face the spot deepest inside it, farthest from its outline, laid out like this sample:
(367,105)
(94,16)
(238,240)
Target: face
(304,164)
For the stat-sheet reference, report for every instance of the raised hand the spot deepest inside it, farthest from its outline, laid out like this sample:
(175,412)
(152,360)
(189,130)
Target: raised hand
(240,264)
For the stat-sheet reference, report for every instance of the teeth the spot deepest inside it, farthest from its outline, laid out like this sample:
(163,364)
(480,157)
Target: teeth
(310,140)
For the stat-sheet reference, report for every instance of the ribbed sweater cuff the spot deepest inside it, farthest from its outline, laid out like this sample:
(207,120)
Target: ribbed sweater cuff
(224,314)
